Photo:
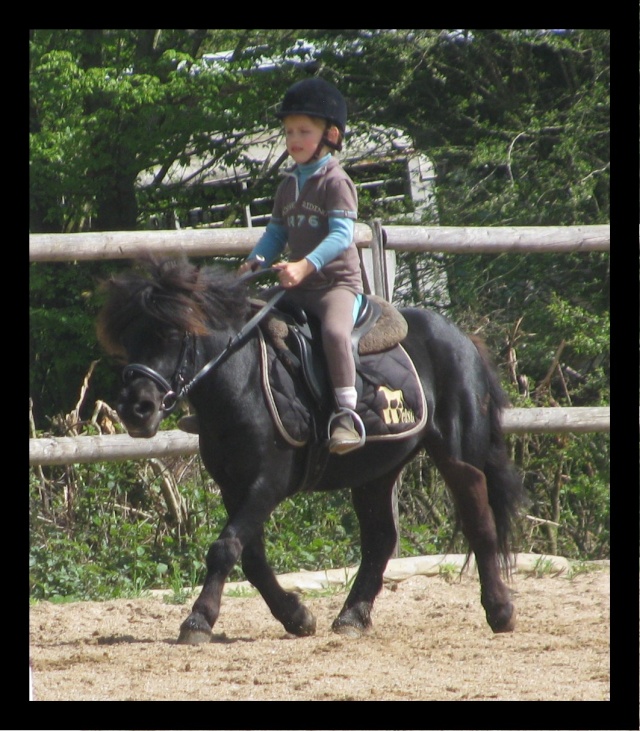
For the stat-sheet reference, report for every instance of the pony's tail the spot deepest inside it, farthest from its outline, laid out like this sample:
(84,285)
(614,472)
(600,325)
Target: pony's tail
(504,483)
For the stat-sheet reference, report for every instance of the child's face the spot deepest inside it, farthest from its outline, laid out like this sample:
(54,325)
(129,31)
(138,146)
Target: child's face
(303,135)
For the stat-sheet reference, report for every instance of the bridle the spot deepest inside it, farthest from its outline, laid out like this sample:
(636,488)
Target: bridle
(173,390)
(179,388)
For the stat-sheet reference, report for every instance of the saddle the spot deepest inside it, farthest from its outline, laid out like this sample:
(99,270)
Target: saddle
(379,326)
(295,381)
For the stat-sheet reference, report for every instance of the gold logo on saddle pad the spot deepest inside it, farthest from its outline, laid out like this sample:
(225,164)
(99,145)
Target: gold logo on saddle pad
(395,411)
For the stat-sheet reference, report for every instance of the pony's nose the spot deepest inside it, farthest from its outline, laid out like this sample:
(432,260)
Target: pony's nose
(144,408)
(139,409)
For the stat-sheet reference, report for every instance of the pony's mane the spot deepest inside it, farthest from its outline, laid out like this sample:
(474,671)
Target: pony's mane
(177,294)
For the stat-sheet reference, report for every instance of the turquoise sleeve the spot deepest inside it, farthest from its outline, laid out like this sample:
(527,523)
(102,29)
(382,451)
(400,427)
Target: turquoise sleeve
(271,243)
(338,240)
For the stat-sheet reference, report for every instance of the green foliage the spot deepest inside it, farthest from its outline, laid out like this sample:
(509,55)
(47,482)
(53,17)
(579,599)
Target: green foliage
(517,122)
(530,309)
(313,531)
(567,478)
(63,305)
(105,106)
(103,531)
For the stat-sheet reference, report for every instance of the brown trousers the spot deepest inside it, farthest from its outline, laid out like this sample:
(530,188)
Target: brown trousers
(334,308)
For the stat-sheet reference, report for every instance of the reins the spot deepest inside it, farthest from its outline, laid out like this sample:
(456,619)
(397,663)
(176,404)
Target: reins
(236,342)
(179,389)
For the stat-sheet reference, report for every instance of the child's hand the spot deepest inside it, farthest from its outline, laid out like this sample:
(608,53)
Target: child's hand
(293,272)
(251,265)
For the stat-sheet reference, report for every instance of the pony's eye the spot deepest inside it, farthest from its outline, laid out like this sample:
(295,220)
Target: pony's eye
(127,376)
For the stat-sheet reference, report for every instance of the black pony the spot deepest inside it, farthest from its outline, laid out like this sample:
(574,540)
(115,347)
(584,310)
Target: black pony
(174,319)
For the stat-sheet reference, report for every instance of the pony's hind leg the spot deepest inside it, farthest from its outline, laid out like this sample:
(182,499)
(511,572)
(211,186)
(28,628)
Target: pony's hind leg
(378,535)
(468,486)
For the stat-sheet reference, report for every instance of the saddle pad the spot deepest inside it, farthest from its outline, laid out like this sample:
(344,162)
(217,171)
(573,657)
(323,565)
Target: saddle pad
(286,397)
(391,401)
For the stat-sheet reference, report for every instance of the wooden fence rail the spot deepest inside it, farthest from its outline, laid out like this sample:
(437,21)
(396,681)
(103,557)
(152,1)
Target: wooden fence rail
(240,241)
(119,447)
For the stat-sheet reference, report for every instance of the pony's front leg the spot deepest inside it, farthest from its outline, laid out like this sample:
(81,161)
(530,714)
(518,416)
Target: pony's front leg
(221,558)
(285,606)
(243,537)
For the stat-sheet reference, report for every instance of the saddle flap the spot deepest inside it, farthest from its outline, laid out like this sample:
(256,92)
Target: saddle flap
(312,362)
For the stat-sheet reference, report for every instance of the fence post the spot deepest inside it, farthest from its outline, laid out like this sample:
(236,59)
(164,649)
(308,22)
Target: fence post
(383,264)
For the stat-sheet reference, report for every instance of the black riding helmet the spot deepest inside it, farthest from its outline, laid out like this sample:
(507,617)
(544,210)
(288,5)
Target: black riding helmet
(316,98)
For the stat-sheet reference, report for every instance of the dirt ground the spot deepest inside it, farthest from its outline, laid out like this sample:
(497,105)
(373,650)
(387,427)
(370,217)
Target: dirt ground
(429,641)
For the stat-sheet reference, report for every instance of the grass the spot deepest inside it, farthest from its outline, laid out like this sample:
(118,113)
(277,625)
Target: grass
(242,592)
(450,572)
(584,567)
(543,567)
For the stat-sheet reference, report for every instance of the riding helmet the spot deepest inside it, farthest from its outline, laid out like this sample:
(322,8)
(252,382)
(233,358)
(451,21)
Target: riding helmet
(316,98)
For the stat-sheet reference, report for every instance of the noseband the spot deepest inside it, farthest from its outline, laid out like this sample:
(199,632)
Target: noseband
(172,391)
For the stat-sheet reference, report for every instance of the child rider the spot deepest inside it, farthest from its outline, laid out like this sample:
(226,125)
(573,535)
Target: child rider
(314,213)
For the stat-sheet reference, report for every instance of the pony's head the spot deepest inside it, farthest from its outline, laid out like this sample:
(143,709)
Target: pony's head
(151,318)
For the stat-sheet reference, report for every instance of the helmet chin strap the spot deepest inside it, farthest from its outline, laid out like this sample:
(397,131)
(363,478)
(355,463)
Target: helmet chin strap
(324,142)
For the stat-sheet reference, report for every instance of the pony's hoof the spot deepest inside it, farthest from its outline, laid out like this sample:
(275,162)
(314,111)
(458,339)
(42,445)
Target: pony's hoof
(194,631)
(504,620)
(187,637)
(303,624)
(353,622)
(348,630)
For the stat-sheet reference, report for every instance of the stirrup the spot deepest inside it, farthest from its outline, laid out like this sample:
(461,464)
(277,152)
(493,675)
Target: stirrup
(358,423)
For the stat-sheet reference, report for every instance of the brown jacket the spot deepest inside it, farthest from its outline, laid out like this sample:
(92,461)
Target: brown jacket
(306,213)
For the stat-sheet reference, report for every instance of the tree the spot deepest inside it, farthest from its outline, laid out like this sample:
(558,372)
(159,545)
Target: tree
(106,105)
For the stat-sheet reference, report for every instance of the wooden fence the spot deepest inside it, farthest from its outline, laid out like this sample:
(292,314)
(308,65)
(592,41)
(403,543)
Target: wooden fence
(379,243)
(240,241)
(118,447)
